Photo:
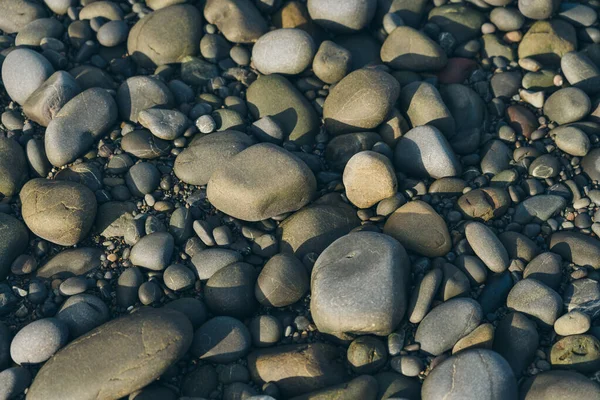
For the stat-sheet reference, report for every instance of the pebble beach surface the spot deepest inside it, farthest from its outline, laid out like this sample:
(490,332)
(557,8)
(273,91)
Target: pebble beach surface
(300,199)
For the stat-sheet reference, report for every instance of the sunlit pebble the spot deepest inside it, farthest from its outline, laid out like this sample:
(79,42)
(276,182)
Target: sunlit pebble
(558,80)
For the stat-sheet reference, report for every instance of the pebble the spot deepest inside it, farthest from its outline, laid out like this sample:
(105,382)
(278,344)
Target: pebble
(23,72)
(535,299)
(481,337)
(562,384)
(332,62)
(577,352)
(170,335)
(577,248)
(175,158)
(71,262)
(153,251)
(221,340)
(140,93)
(282,281)
(265,330)
(546,268)
(142,178)
(507,19)
(61,212)
(196,164)
(361,101)
(342,17)
(127,286)
(82,313)
(38,341)
(567,105)
(83,120)
(281,363)
(447,323)
(375,259)
(368,178)
(164,124)
(46,101)
(246,195)
(409,49)
(419,228)
(462,375)
(283,51)
(13,167)
(424,152)
(516,339)
(275,96)
(423,105)
(326,221)
(547,41)
(230,291)
(572,323)
(166,36)
(366,355)
(14,381)
(178,277)
(238,20)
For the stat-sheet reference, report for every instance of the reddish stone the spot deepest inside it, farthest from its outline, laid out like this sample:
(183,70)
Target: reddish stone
(522,120)
(457,70)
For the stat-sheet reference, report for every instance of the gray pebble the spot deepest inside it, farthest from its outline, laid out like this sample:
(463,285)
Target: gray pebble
(38,341)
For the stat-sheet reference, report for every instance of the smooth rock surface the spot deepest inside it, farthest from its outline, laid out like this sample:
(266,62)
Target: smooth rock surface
(346,266)
(78,124)
(124,355)
(420,229)
(262,181)
(61,212)
(361,101)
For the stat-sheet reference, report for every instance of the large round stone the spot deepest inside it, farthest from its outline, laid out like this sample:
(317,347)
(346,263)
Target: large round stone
(313,228)
(287,367)
(342,16)
(409,49)
(75,128)
(283,51)
(61,212)
(23,71)
(139,93)
(166,36)
(424,152)
(460,20)
(276,97)
(471,375)
(577,248)
(447,323)
(43,104)
(361,101)
(221,340)
(116,358)
(261,182)
(359,285)
(369,177)
(567,105)
(538,9)
(419,228)
(536,300)
(559,385)
(238,20)
(16,14)
(423,105)
(548,41)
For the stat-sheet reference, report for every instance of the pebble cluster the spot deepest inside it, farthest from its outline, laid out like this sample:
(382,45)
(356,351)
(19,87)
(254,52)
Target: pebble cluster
(300,199)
